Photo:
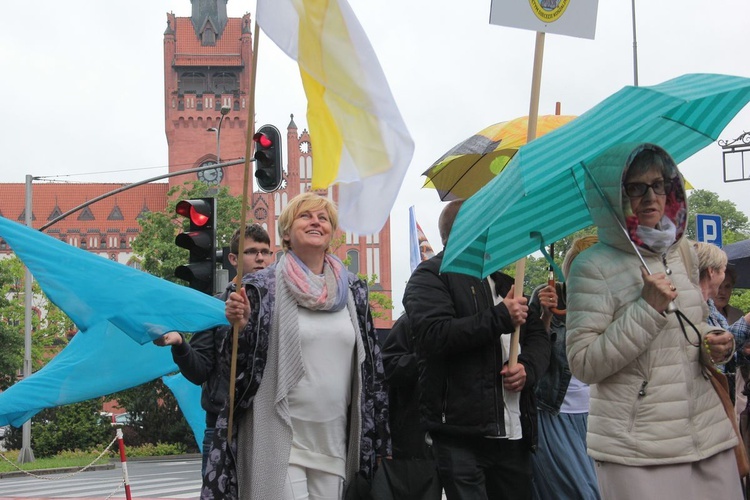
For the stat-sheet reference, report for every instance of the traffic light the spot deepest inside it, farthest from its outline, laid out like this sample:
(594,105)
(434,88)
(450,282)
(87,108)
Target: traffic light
(200,241)
(268,158)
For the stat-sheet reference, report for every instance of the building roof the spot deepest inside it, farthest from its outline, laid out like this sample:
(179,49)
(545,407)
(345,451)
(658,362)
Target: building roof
(116,213)
(190,52)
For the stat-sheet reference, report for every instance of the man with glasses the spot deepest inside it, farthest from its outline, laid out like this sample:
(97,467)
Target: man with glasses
(197,358)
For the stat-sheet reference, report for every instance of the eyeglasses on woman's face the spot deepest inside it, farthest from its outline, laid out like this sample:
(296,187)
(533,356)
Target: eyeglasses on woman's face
(638,189)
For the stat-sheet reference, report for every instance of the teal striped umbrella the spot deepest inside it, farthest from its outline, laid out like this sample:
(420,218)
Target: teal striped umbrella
(538,198)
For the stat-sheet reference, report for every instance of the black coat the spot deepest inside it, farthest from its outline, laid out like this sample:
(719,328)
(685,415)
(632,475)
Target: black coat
(197,361)
(458,328)
(400,364)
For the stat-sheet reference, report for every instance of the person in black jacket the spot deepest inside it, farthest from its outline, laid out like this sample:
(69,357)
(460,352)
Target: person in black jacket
(412,473)
(197,358)
(479,411)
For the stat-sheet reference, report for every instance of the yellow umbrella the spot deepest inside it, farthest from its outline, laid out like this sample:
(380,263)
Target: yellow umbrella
(471,164)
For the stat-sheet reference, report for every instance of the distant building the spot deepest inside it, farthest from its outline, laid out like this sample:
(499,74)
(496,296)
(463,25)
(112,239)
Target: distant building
(207,64)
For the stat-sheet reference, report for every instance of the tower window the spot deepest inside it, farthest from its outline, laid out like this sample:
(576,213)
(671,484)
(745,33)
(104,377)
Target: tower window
(224,83)
(193,82)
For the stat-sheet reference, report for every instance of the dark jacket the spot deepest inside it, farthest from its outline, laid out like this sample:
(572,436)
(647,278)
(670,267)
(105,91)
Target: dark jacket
(401,373)
(220,480)
(553,384)
(458,328)
(197,361)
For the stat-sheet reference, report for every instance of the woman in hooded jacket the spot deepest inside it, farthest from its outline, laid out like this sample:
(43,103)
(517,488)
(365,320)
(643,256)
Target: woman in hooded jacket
(656,425)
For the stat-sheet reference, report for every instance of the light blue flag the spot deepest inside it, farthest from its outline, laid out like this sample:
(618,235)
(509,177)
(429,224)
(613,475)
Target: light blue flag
(414,256)
(188,397)
(93,290)
(100,361)
(116,308)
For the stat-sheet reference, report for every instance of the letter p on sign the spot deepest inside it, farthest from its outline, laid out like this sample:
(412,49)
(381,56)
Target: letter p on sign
(708,228)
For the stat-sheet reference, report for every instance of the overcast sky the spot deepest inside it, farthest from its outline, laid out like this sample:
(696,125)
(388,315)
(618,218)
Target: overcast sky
(83,83)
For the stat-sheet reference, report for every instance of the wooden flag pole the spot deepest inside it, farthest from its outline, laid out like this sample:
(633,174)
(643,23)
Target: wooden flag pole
(249,148)
(536,83)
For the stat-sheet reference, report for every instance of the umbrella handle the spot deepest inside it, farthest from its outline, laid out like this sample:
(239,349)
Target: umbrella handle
(555,310)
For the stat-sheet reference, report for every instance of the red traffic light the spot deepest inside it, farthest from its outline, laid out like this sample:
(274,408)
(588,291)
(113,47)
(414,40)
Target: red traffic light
(198,211)
(262,139)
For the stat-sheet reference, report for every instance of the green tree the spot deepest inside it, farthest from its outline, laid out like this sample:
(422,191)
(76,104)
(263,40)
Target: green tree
(77,426)
(49,325)
(735,228)
(154,416)
(11,330)
(379,301)
(734,223)
(154,247)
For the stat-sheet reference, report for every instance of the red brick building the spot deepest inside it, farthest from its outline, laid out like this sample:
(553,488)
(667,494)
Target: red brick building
(207,64)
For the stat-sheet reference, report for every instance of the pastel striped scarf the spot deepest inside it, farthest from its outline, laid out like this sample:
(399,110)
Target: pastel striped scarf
(326,292)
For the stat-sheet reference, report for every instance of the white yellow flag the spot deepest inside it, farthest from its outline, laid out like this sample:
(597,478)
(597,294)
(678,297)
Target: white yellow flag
(359,138)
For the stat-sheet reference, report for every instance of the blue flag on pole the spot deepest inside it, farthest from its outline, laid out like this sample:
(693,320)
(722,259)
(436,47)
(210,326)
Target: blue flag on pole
(118,310)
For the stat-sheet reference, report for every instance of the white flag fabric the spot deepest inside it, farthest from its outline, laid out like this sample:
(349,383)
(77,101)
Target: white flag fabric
(360,140)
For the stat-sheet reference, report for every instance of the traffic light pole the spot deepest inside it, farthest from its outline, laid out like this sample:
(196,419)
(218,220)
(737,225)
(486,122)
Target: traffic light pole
(140,183)
(26,454)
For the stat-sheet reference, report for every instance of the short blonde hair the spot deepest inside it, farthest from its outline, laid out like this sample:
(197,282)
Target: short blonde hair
(578,246)
(309,201)
(709,257)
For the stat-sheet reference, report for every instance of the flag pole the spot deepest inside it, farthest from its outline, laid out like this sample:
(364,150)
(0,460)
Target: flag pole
(249,147)
(536,83)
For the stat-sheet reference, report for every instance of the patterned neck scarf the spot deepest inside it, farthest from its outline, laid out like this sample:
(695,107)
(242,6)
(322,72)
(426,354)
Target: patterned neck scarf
(326,292)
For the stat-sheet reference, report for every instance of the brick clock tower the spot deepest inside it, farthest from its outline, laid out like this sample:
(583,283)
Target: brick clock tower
(207,64)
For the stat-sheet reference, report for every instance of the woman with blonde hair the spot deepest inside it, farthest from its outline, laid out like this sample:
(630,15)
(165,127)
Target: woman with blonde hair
(311,410)
(712,266)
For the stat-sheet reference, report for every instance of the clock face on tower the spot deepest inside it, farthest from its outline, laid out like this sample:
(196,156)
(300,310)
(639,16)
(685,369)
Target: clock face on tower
(211,176)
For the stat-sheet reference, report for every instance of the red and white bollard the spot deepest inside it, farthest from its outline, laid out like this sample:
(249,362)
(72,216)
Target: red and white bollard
(123,460)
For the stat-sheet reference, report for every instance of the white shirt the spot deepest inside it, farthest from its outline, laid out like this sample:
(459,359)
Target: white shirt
(319,403)
(511,400)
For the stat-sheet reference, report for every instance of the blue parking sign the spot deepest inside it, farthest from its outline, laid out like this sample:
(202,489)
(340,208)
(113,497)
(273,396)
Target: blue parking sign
(708,228)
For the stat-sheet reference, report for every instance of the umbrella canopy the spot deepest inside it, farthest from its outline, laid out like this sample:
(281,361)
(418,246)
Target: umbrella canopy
(539,196)
(739,257)
(472,163)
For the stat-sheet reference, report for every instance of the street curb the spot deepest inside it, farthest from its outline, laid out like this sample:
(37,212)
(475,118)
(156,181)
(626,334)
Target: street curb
(105,466)
(159,458)
(61,470)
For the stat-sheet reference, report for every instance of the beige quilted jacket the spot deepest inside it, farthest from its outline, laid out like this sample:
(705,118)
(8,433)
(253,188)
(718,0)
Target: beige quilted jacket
(650,402)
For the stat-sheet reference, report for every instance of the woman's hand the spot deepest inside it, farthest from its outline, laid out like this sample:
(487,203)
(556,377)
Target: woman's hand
(657,291)
(237,308)
(548,297)
(720,346)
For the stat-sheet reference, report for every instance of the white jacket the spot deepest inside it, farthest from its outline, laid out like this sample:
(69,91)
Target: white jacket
(650,402)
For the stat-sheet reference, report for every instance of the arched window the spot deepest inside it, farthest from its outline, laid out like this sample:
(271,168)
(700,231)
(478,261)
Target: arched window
(192,82)
(224,83)
(353,256)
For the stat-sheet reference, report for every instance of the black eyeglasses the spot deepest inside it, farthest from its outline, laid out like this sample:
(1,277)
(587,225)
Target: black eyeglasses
(638,189)
(264,252)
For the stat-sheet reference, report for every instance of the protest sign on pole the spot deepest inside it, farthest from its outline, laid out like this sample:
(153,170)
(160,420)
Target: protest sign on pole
(562,17)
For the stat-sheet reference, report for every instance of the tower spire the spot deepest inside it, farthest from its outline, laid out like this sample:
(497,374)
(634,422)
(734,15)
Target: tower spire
(209,19)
